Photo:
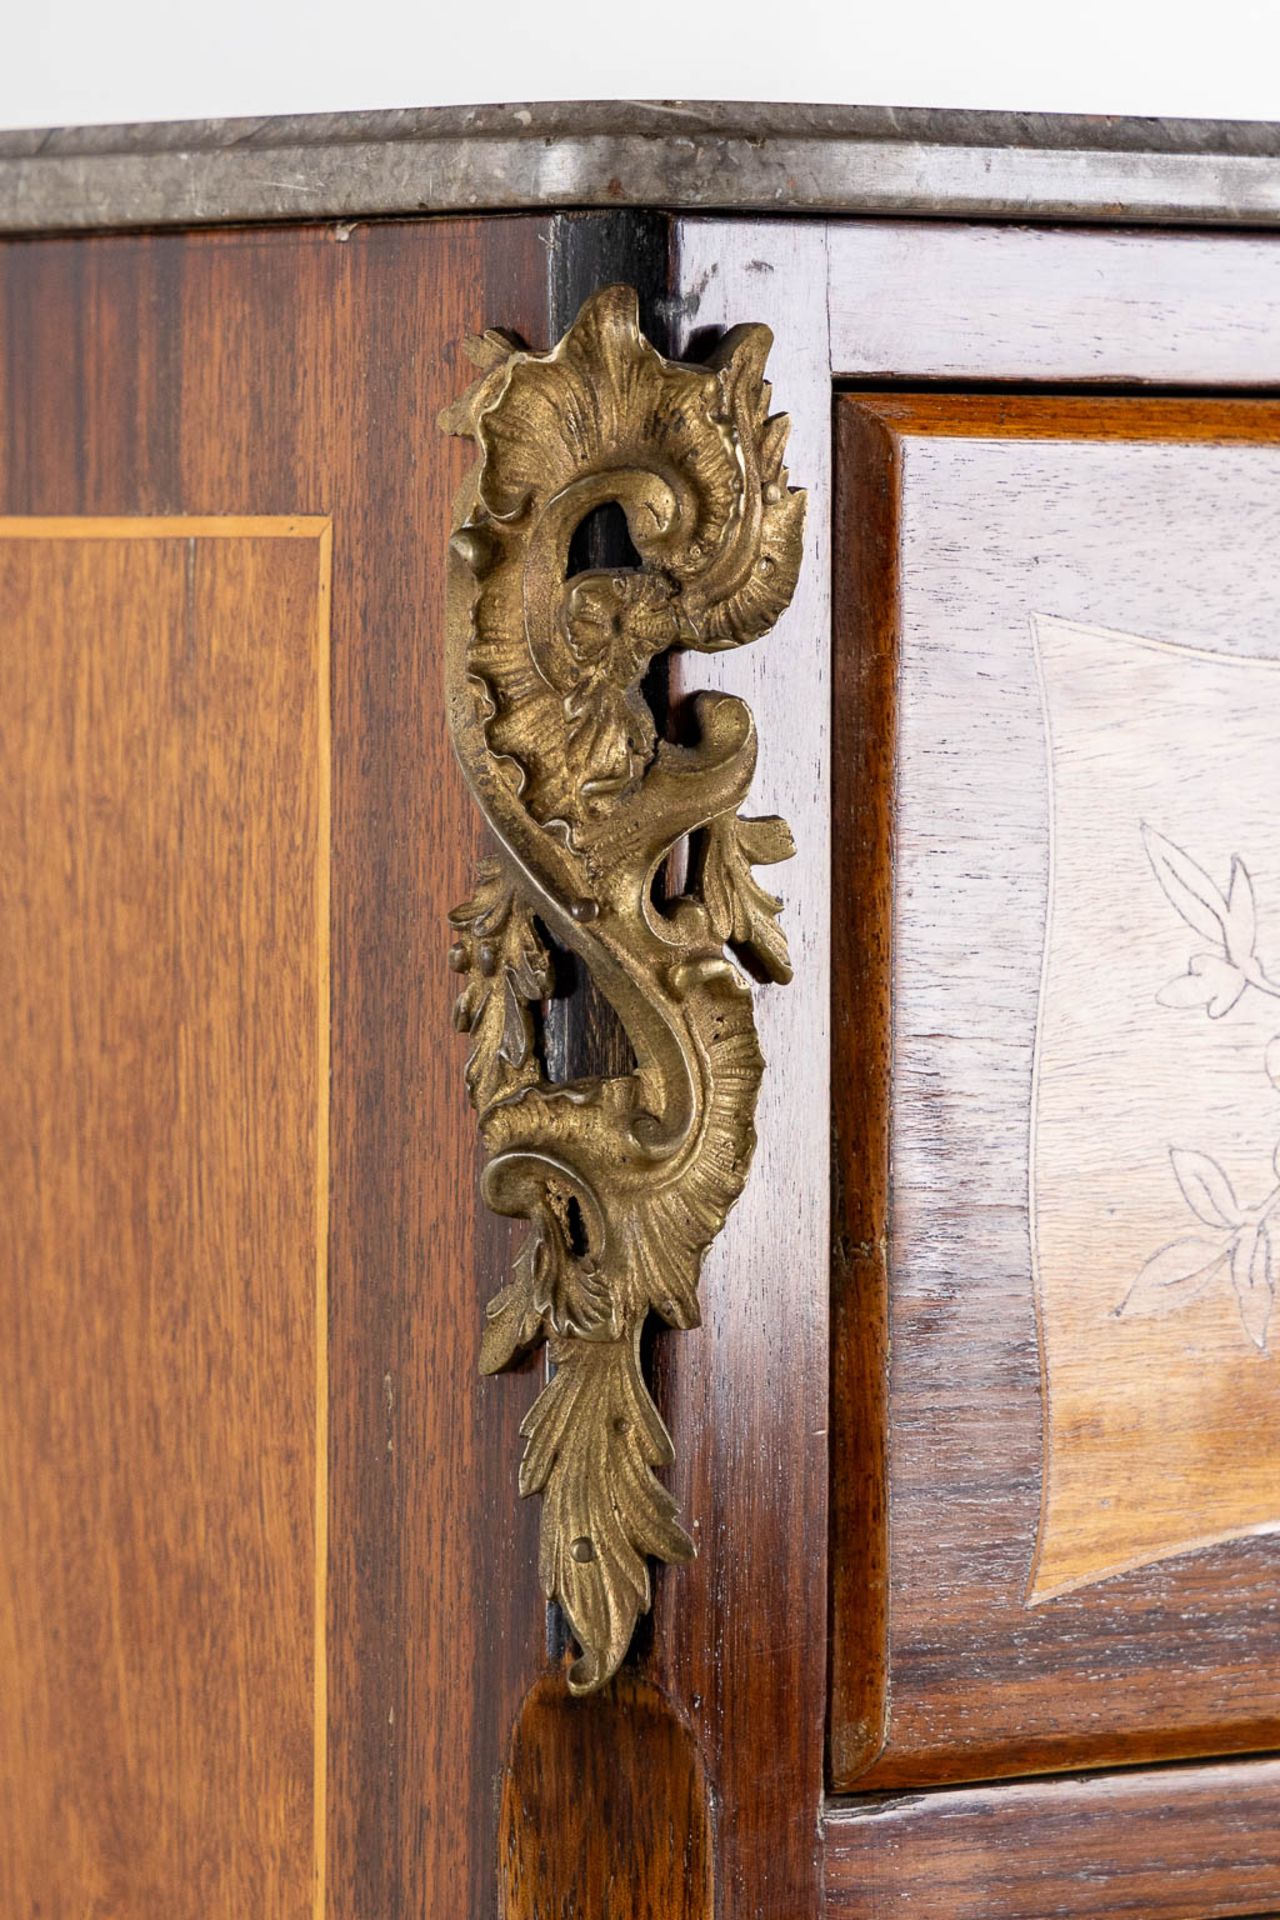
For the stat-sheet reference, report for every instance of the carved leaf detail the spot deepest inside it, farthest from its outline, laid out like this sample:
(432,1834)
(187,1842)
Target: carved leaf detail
(512,1324)
(742,913)
(593,1438)
(552,1291)
(507,968)
(671,1227)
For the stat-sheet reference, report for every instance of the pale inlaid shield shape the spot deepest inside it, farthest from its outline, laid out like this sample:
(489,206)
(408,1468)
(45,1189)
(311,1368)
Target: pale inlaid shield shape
(1155,1140)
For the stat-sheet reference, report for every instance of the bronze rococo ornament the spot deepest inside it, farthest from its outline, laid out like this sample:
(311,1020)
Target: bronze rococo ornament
(624,1181)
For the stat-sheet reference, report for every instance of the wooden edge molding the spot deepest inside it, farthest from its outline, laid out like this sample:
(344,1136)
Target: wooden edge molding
(624,1180)
(677,154)
(1184,1843)
(864,718)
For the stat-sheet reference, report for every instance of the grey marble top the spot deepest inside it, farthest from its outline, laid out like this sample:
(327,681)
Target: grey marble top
(721,157)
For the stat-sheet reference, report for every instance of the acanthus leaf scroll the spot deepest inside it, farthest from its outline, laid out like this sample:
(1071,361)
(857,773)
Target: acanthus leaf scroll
(624,1181)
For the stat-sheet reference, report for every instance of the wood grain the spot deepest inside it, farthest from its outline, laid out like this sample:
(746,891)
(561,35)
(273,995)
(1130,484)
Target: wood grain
(865,654)
(164,852)
(1186,1843)
(300,372)
(943,301)
(605,1809)
(1151,516)
(1151,1096)
(740,1636)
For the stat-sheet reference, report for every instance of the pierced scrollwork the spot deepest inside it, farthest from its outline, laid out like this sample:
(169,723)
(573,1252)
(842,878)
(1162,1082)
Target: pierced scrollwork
(624,1181)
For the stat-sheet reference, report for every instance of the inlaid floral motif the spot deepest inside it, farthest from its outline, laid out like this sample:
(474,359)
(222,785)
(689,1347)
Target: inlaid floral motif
(1236,1243)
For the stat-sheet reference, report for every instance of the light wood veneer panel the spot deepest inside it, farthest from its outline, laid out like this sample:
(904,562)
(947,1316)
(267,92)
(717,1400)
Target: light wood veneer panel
(163,1023)
(938,300)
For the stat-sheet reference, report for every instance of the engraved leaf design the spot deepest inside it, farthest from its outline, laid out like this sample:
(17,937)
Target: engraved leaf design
(1242,915)
(1215,981)
(1187,886)
(1206,1188)
(1173,1277)
(1253,1278)
(742,912)
(1210,982)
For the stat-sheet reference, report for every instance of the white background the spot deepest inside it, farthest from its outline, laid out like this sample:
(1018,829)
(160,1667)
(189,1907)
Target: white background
(83,61)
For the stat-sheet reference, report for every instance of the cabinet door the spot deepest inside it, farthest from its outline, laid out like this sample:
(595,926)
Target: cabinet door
(1057,1030)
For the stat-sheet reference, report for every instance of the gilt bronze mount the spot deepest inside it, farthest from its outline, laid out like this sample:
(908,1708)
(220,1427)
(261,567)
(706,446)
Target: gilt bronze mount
(625,1181)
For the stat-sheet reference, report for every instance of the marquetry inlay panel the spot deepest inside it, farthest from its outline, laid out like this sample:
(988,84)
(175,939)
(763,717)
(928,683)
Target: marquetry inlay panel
(1063,908)
(1155,1143)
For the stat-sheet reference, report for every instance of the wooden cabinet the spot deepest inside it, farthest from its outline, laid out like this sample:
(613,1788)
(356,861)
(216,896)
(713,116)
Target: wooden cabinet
(976,1440)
